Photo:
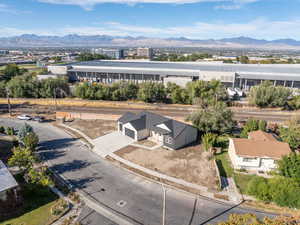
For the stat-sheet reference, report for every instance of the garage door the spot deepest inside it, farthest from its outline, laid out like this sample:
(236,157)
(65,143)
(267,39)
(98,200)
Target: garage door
(129,133)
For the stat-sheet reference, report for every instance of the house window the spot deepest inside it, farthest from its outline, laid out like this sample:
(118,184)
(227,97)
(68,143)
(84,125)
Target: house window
(169,140)
(247,159)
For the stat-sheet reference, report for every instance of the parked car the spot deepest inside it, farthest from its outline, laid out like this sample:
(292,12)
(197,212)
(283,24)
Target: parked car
(24,117)
(38,118)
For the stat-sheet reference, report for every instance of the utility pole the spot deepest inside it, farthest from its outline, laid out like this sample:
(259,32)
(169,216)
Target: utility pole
(164,205)
(8,101)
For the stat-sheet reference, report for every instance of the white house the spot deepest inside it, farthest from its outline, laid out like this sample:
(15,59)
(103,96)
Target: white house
(257,153)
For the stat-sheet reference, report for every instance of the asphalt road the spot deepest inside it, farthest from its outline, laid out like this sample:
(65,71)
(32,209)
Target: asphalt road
(108,185)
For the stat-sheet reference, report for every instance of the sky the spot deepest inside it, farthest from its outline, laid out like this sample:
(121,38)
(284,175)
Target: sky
(195,19)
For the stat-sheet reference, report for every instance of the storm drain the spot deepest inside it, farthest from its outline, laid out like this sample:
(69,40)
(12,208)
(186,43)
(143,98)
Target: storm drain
(121,203)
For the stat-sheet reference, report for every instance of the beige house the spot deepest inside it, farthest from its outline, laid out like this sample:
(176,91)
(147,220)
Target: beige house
(257,153)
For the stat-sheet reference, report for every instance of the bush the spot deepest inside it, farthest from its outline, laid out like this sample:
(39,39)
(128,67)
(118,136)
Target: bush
(10,131)
(2,129)
(284,192)
(259,187)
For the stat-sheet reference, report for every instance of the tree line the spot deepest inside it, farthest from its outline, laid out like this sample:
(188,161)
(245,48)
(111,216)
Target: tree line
(198,91)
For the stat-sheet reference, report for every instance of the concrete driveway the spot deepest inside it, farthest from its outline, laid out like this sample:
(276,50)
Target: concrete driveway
(110,143)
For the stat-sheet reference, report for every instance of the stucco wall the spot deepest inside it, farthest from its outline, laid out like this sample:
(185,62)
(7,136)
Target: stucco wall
(263,164)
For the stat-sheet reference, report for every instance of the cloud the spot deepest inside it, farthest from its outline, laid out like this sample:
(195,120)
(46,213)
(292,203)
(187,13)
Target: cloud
(258,28)
(88,4)
(7,9)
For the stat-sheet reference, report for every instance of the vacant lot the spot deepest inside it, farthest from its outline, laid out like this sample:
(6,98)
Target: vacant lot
(6,144)
(94,128)
(190,164)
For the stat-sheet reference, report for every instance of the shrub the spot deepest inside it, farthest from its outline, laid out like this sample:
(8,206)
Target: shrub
(259,187)
(2,129)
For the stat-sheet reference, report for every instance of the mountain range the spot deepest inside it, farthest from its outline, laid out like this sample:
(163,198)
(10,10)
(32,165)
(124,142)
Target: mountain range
(74,40)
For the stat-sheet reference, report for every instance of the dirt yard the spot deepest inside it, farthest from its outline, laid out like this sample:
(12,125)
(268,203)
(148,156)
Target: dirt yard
(190,164)
(146,143)
(94,128)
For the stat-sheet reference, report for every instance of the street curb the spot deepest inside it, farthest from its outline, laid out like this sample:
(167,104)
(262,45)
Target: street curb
(209,195)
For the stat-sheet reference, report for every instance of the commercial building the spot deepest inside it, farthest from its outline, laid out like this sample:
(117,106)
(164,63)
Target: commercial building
(257,153)
(112,53)
(169,133)
(241,76)
(144,52)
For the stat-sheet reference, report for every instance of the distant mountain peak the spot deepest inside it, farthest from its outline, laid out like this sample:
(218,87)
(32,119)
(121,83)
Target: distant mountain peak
(76,40)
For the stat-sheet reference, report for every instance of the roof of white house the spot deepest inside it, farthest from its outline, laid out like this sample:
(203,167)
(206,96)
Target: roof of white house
(7,181)
(259,145)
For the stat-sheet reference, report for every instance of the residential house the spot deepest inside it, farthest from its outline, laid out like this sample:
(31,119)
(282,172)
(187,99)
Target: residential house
(257,153)
(9,198)
(168,132)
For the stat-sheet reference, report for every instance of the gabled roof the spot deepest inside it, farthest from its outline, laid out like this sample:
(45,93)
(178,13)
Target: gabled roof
(7,181)
(128,116)
(150,121)
(260,148)
(261,136)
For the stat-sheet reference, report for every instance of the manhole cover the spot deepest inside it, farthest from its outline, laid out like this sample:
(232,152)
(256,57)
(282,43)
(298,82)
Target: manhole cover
(121,203)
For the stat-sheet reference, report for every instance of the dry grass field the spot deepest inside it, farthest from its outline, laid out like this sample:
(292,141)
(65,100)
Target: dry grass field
(94,128)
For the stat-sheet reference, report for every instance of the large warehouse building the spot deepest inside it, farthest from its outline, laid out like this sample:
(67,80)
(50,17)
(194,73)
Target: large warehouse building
(243,76)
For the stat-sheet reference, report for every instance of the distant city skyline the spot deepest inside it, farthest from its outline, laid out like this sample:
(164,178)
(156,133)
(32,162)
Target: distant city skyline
(195,19)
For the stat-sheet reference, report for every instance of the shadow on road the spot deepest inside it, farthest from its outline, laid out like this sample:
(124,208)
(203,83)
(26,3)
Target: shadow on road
(70,166)
(56,144)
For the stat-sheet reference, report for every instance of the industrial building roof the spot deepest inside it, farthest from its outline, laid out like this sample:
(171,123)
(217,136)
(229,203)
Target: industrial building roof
(196,66)
(7,181)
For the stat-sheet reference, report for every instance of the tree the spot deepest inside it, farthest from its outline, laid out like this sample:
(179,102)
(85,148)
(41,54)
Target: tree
(253,125)
(262,125)
(25,86)
(268,95)
(208,141)
(31,141)
(213,119)
(24,131)
(289,166)
(206,92)
(285,192)
(291,134)
(54,88)
(22,158)
(12,70)
(152,92)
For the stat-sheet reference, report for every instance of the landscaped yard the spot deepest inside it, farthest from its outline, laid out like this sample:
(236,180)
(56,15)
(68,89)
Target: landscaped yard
(242,181)
(146,143)
(37,204)
(94,128)
(190,164)
(6,144)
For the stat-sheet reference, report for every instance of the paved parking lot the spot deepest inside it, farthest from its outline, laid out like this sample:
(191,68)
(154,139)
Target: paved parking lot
(110,143)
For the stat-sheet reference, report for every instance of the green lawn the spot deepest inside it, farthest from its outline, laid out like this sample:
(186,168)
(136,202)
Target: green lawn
(36,210)
(226,170)
(242,181)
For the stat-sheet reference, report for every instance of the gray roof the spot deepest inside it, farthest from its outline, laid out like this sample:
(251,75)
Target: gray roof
(7,181)
(150,121)
(196,66)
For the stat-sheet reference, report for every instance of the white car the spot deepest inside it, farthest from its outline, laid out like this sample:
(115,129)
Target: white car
(24,117)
